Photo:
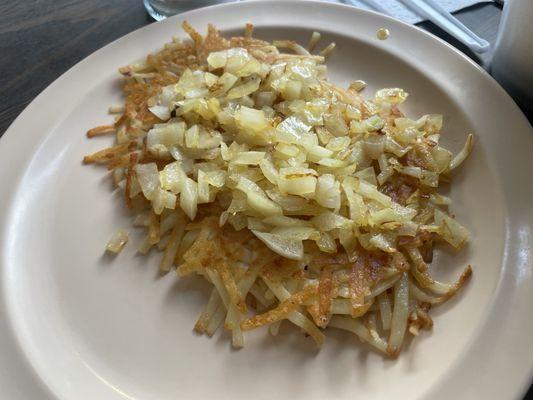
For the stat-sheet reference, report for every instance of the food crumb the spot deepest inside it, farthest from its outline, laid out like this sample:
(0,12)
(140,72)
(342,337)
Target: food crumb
(357,85)
(117,242)
(383,33)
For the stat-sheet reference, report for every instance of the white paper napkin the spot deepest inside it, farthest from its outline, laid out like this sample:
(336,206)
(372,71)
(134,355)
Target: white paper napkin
(397,9)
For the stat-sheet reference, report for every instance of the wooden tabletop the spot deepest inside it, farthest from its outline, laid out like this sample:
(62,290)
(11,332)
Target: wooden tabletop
(41,39)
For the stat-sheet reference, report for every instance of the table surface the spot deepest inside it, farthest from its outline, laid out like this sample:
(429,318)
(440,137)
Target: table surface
(41,39)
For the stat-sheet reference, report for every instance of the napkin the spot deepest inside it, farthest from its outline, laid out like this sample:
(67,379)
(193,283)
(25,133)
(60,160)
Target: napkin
(398,10)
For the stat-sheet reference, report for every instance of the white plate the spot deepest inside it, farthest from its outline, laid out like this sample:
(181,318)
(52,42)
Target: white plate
(77,325)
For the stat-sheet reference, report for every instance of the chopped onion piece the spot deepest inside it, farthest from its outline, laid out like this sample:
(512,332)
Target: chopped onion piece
(328,221)
(117,241)
(451,230)
(248,118)
(161,112)
(189,197)
(463,154)
(390,95)
(328,192)
(257,199)
(249,158)
(289,248)
(148,178)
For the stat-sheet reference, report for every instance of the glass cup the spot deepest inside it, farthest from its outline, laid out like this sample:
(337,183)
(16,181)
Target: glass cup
(160,9)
